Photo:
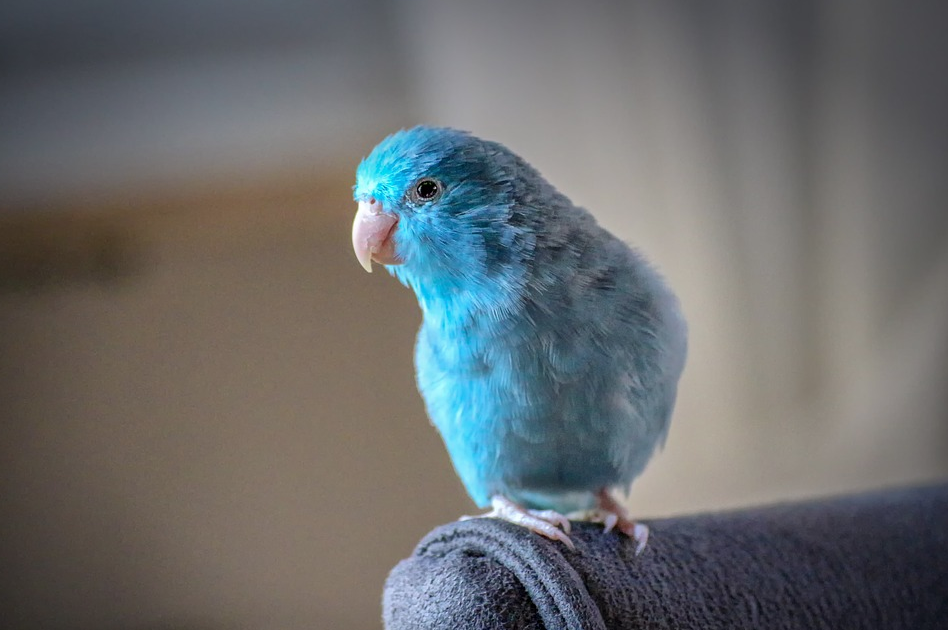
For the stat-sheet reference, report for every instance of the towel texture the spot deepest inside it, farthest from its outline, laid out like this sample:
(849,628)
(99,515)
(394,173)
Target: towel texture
(873,561)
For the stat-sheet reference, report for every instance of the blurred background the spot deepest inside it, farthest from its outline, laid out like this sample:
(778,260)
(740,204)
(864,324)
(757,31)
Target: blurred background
(207,409)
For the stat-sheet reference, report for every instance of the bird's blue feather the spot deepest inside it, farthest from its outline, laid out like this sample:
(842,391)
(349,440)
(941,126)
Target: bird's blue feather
(549,351)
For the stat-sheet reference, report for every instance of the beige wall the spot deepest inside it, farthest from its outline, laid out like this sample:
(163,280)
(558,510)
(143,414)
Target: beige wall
(227,436)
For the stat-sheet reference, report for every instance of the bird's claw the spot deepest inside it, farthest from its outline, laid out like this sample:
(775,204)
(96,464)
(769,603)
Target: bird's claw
(611,520)
(548,523)
(613,516)
(553,518)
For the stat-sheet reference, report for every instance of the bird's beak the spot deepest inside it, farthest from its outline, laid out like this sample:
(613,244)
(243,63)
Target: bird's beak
(372,232)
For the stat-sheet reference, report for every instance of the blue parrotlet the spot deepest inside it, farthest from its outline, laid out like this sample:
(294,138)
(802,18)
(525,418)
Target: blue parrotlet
(549,352)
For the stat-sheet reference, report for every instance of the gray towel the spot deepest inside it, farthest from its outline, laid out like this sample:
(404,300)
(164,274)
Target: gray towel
(873,561)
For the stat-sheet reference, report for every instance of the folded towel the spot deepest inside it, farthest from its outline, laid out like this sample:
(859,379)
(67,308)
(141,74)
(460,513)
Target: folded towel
(874,561)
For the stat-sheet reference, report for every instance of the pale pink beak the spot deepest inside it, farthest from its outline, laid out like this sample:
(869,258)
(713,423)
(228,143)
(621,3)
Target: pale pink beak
(372,232)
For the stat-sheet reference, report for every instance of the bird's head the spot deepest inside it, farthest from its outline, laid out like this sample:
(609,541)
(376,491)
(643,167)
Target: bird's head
(437,205)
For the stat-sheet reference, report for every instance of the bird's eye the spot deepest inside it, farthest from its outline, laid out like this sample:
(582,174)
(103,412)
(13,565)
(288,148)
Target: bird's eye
(426,189)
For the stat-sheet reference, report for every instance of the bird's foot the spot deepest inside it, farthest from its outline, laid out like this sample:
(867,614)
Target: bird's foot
(613,516)
(549,523)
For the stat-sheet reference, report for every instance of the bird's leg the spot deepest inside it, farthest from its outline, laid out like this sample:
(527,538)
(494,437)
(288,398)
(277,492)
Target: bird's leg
(544,522)
(613,516)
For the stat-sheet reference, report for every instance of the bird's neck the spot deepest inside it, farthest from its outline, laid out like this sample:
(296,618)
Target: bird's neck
(457,302)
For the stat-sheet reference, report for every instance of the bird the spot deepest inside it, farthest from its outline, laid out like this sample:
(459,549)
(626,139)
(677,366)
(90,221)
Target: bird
(549,352)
